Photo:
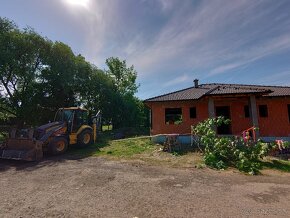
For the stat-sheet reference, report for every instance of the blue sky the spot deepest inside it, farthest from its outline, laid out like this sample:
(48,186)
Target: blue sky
(170,42)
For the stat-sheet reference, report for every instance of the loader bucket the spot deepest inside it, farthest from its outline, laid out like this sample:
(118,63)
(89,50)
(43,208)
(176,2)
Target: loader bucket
(22,149)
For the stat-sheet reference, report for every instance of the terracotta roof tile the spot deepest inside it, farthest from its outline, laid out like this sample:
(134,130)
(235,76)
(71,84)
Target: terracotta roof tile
(185,94)
(193,93)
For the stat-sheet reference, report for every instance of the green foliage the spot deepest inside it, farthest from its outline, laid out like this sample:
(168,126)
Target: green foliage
(281,165)
(128,110)
(223,152)
(124,77)
(21,52)
(125,148)
(2,137)
(5,112)
(128,148)
(39,76)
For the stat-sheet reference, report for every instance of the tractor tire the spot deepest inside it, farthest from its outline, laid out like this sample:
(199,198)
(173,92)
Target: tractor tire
(58,146)
(85,138)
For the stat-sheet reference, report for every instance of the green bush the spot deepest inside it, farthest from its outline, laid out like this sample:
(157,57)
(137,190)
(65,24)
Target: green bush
(223,152)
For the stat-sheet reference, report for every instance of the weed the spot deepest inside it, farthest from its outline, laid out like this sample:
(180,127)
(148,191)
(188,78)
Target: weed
(223,152)
(281,165)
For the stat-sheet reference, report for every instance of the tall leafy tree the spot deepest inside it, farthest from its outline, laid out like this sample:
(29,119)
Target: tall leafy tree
(37,76)
(20,64)
(130,110)
(124,77)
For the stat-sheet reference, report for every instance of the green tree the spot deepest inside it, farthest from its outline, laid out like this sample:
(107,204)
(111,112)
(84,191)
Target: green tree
(124,77)
(20,64)
(129,110)
(98,93)
(39,76)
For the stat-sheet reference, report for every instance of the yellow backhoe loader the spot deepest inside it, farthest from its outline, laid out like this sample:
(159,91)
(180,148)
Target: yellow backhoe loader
(70,126)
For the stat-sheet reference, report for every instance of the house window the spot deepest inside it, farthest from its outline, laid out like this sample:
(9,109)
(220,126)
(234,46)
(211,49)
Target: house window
(263,110)
(151,119)
(173,115)
(192,112)
(288,112)
(247,111)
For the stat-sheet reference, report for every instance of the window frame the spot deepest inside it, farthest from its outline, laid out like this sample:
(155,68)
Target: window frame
(173,114)
(263,114)
(288,107)
(192,113)
(247,113)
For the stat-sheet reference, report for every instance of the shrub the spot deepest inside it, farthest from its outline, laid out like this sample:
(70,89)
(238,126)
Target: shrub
(222,152)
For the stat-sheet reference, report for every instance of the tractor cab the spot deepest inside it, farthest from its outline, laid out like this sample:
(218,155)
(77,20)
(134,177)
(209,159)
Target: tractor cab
(74,118)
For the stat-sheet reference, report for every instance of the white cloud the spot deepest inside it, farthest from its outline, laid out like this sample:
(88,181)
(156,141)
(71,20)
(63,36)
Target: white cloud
(167,36)
(196,39)
(277,78)
(224,68)
(269,48)
(166,5)
(177,80)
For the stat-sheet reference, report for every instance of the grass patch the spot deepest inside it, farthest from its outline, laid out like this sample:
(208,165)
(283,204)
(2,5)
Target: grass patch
(105,146)
(146,151)
(127,147)
(107,127)
(276,164)
(139,149)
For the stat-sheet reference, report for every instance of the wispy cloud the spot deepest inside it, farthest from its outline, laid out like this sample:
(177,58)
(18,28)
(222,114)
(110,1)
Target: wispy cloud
(195,37)
(244,57)
(177,80)
(224,68)
(213,37)
(277,78)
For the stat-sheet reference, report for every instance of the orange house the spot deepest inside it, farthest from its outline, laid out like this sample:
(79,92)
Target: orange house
(265,107)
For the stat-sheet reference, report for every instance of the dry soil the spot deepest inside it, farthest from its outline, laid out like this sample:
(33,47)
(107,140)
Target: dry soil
(96,187)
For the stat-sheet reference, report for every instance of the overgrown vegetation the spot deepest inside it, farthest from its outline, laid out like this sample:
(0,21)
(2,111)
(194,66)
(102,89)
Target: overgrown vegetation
(142,149)
(137,149)
(127,147)
(2,137)
(124,148)
(223,152)
(276,164)
(38,75)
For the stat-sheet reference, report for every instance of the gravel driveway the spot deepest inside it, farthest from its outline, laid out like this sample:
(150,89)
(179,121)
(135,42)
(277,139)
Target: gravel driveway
(96,187)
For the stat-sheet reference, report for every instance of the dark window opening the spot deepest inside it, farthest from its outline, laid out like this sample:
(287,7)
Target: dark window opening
(224,129)
(151,119)
(247,111)
(80,118)
(263,110)
(173,115)
(288,112)
(192,112)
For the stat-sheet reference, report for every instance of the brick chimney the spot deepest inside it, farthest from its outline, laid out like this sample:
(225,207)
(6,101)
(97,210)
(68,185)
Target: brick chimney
(195,83)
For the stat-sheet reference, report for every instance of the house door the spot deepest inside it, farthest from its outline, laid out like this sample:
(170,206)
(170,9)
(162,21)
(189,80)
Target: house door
(225,112)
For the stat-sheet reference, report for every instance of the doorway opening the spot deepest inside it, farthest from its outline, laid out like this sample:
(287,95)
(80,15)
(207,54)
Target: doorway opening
(226,113)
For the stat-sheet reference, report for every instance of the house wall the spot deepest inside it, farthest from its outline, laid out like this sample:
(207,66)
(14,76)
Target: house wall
(239,122)
(275,125)
(158,116)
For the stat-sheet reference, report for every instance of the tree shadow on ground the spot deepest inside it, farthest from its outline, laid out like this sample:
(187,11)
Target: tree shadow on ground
(103,140)
(183,150)
(281,165)
(73,153)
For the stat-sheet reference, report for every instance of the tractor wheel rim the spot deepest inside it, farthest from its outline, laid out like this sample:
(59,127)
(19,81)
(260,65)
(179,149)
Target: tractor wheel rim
(60,146)
(87,138)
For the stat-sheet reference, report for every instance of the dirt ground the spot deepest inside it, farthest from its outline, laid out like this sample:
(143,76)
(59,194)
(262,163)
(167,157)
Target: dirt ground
(96,187)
